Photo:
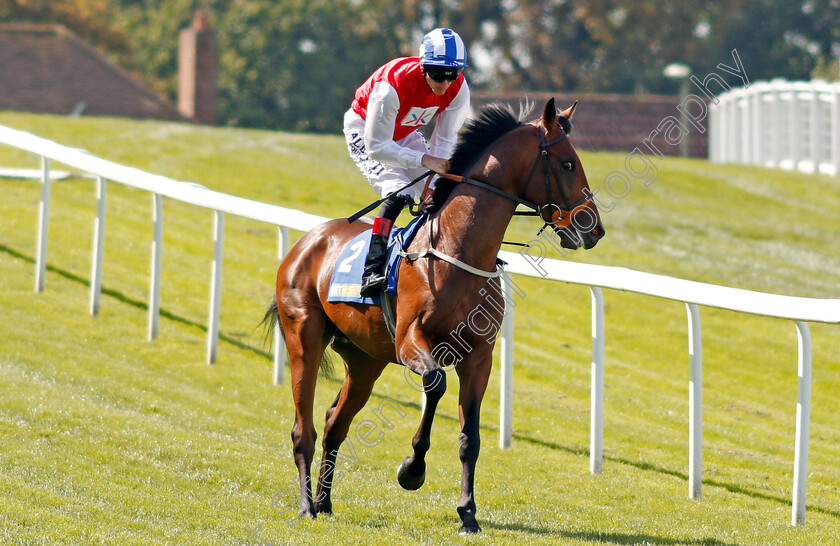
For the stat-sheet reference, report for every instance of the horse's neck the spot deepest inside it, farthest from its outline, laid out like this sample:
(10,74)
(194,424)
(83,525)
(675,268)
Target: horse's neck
(472,224)
(471,227)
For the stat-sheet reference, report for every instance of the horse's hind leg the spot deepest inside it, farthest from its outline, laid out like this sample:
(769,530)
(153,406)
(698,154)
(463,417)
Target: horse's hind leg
(305,341)
(473,376)
(361,372)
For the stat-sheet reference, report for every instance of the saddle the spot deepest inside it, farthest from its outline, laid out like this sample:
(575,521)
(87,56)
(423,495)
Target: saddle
(346,280)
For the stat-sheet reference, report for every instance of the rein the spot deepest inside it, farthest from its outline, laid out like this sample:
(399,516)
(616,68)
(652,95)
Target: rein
(559,217)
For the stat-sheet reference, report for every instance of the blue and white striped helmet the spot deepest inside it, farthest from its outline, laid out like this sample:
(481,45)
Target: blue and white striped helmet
(443,47)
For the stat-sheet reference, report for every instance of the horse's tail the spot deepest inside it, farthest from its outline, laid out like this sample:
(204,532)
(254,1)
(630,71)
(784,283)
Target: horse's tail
(271,320)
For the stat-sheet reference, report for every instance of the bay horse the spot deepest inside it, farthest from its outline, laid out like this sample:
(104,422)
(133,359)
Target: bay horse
(497,157)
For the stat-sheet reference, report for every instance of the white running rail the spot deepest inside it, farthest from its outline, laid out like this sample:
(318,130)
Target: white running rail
(693,294)
(788,124)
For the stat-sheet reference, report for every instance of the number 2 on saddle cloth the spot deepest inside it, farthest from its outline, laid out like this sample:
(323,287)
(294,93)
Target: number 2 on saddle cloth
(346,279)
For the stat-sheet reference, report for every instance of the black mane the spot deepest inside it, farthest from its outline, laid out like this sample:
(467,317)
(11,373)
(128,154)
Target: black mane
(492,122)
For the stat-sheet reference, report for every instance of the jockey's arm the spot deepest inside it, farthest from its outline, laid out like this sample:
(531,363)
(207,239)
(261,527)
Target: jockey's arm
(382,109)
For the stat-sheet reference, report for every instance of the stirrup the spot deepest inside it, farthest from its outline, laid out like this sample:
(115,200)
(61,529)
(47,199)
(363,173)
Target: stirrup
(372,285)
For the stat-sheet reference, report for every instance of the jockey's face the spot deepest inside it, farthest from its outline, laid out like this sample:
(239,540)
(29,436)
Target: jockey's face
(439,78)
(438,88)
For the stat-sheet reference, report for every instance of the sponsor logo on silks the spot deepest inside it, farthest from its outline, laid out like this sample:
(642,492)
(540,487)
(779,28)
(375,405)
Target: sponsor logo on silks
(418,117)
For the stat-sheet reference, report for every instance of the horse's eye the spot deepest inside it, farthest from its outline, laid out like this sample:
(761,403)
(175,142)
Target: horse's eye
(568,165)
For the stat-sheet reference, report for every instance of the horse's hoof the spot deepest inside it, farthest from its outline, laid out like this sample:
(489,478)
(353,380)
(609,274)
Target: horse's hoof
(307,514)
(407,480)
(469,529)
(323,508)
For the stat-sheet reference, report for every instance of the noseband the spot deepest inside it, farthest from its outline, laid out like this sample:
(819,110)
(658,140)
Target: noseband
(558,218)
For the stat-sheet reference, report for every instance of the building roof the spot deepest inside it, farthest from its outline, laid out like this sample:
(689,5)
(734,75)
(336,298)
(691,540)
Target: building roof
(47,68)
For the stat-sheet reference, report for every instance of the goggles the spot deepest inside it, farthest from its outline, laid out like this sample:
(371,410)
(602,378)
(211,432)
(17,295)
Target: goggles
(443,73)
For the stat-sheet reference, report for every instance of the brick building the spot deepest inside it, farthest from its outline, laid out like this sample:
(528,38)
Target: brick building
(47,68)
(614,122)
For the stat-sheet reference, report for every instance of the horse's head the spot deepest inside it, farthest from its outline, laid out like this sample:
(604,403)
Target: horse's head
(564,198)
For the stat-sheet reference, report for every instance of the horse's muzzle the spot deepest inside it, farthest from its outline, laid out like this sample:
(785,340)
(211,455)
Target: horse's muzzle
(573,238)
(591,237)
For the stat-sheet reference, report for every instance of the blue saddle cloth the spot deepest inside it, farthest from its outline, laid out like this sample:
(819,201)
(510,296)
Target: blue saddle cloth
(346,281)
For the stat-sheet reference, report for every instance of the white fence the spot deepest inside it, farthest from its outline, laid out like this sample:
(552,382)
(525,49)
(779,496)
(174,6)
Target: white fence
(693,294)
(780,123)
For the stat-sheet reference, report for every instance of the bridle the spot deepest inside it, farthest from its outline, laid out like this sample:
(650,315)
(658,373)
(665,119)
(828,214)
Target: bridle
(559,218)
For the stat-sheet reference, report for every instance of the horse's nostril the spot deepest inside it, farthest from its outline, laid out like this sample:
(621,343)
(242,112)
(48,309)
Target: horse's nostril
(596,231)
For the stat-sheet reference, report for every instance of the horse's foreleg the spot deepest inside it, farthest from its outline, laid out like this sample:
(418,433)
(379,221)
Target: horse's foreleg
(412,472)
(473,385)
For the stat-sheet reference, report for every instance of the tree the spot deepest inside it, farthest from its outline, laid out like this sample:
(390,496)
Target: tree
(772,37)
(90,19)
(295,64)
(634,41)
(291,64)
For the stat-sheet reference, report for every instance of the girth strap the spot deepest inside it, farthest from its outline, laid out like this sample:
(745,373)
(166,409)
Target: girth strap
(388,313)
(385,301)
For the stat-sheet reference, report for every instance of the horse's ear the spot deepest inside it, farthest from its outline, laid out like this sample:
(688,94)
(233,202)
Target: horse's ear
(570,111)
(549,116)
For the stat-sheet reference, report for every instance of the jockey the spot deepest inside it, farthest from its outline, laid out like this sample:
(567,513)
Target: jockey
(381,129)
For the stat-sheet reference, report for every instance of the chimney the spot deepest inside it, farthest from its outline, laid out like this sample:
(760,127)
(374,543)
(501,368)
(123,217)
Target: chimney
(198,67)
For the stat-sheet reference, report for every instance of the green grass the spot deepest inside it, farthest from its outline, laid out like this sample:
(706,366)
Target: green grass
(106,437)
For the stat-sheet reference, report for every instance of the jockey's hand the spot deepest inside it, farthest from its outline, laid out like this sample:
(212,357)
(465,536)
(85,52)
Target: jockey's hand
(435,164)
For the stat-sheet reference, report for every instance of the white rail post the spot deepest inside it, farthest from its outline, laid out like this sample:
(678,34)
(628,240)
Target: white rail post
(745,107)
(718,121)
(835,127)
(735,142)
(695,402)
(722,128)
(714,140)
(43,227)
(279,341)
(721,120)
(154,277)
(794,129)
(98,246)
(815,140)
(777,134)
(506,388)
(596,425)
(803,421)
(216,287)
(757,100)
(726,121)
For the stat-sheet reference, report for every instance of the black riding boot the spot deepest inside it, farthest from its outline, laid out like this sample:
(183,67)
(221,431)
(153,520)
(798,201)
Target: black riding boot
(373,277)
